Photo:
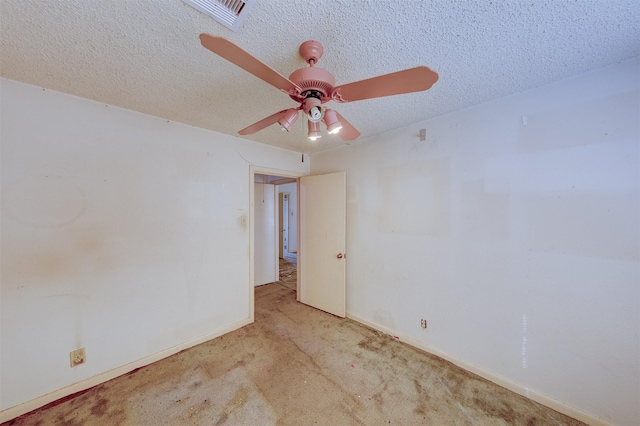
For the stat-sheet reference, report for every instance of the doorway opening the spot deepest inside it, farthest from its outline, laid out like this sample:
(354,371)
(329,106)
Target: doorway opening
(321,265)
(267,251)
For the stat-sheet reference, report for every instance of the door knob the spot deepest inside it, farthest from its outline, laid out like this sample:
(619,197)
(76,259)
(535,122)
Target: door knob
(340,256)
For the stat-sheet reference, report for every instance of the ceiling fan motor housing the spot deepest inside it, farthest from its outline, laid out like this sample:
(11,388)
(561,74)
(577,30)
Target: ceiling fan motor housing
(313,79)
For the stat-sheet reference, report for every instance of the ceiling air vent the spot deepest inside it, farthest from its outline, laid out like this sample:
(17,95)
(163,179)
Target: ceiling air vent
(230,13)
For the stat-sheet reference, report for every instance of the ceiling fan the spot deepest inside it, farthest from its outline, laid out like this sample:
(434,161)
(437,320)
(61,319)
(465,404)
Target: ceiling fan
(312,87)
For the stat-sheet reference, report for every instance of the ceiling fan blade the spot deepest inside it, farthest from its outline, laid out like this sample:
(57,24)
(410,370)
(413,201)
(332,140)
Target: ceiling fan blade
(407,81)
(234,54)
(348,132)
(265,122)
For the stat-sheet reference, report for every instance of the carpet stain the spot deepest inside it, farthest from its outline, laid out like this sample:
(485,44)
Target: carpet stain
(223,419)
(239,398)
(100,407)
(372,344)
(195,385)
(496,409)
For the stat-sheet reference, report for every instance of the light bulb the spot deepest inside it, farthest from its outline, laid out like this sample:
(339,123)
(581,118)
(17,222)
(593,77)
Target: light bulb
(334,130)
(315,114)
(314,130)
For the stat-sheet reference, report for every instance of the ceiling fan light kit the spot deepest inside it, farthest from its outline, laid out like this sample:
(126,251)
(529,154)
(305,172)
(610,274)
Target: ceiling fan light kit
(311,107)
(312,87)
(314,130)
(288,119)
(331,121)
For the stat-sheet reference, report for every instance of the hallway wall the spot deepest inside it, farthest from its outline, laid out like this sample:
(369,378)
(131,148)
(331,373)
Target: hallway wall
(292,189)
(513,230)
(265,253)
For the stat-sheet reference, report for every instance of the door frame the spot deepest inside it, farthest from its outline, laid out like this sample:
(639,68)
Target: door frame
(257,170)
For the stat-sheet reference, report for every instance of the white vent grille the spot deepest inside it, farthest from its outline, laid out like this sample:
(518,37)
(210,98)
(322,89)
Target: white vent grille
(230,13)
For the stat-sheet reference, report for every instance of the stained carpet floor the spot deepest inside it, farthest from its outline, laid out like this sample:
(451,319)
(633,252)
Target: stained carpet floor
(297,366)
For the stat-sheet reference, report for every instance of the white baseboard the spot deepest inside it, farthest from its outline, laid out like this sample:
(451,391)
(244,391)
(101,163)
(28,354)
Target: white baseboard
(493,377)
(20,409)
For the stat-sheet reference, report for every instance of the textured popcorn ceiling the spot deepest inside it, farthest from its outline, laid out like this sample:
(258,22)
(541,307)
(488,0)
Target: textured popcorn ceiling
(146,55)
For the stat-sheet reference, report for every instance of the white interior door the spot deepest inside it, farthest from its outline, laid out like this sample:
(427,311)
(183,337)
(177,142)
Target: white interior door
(321,262)
(265,251)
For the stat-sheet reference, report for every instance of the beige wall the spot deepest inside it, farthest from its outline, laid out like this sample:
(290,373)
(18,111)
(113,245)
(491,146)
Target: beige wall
(121,233)
(517,239)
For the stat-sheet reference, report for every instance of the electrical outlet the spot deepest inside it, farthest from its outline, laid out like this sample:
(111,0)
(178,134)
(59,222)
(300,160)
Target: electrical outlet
(423,323)
(77,357)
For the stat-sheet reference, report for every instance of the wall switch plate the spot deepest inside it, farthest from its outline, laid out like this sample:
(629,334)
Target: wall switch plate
(77,357)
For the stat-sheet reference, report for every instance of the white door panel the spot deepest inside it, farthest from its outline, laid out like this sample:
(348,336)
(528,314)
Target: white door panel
(322,261)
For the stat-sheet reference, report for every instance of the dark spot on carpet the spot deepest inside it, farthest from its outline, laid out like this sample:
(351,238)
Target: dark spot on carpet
(223,418)
(100,407)
(496,409)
